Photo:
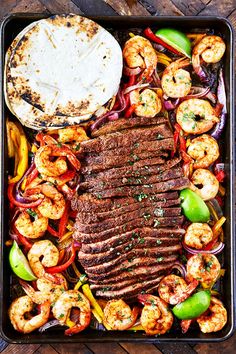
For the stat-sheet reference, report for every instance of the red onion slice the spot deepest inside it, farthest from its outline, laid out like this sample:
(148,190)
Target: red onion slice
(49,325)
(131,71)
(216,250)
(135,87)
(171,105)
(181,268)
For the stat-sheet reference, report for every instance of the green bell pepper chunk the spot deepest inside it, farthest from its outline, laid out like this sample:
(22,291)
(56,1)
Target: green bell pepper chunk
(194,208)
(193,306)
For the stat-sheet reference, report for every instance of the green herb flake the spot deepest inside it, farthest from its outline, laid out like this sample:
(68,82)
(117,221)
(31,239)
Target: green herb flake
(31,212)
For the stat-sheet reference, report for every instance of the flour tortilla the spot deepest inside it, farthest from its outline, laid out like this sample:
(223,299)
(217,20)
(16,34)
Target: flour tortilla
(59,71)
(65,67)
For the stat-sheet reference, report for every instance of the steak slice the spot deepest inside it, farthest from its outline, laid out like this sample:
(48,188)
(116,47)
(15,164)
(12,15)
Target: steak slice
(126,138)
(87,203)
(120,240)
(133,191)
(126,123)
(89,218)
(136,148)
(139,222)
(131,171)
(145,213)
(123,181)
(129,265)
(158,160)
(88,260)
(138,272)
(142,260)
(131,290)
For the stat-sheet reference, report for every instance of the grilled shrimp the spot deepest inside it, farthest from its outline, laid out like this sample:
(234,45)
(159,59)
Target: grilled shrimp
(147,102)
(21,307)
(209,183)
(64,304)
(198,235)
(204,150)
(139,52)
(31,229)
(214,319)
(189,110)
(54,168)
(53,206)
(210,48)
(48,290)
(175,81)
(173,289)
(73,135)
(203,267)
(119,316)
(42,254)
(155,317)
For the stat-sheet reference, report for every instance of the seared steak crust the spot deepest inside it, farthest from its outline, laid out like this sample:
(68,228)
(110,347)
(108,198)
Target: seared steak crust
(129,216)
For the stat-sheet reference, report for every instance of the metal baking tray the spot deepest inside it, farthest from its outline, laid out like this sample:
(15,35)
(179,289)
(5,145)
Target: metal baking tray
(9,29)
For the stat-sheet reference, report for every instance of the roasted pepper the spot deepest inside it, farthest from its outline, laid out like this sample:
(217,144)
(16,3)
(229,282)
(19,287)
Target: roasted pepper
(16,134)
(193,306)
(194,208)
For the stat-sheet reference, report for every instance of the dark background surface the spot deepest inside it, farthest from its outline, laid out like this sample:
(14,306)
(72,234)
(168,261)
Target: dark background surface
(225,8)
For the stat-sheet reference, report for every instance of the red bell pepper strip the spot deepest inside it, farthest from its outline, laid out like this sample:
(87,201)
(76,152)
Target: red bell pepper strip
(211,245)
(150,35)
(64,266)
(64,220)
(22,239)
(130,110)
(52,231)
(176,139)
(32,176)
(13,201)
(220,176)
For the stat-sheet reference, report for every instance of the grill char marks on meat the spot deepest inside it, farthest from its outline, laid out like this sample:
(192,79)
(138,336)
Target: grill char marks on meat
(129,217)
(124,123)
(126,138)
(126,181)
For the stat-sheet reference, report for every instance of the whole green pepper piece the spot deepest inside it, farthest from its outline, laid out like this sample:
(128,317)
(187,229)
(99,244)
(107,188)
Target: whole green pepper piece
(194,208)
(193,306)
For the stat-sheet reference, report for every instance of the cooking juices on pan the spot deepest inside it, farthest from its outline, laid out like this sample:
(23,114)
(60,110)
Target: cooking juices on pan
(116,223)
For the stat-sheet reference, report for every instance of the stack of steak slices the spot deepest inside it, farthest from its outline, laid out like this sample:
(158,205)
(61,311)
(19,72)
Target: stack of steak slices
(129,216)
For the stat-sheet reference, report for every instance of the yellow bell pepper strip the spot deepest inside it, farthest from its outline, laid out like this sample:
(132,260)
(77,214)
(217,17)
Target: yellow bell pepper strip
(21,149)
(136,328)
(96,315)
(10,145)
(88,293)
(76,270)
(216,229)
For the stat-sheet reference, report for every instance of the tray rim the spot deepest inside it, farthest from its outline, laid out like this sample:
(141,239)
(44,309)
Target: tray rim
(125,338)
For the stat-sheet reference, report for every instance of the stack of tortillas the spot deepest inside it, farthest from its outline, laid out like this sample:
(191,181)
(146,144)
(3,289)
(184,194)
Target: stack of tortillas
(60,70)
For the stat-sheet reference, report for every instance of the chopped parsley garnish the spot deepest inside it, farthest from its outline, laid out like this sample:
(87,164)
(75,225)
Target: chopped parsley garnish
(31,212)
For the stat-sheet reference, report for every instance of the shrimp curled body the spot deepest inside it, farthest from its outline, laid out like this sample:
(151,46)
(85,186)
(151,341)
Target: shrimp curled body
(203,267)
(215,318)
(147,102)
(189,110)
(173,289)
(175,81)
(155,317)
(64,304)
(53,205)
(119,316)
(54,168)
(31,229)
(210,48)
(210,184)
(198,235)
(204,150)
(48,290)
(46,250)
(21,307)
(139,52)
